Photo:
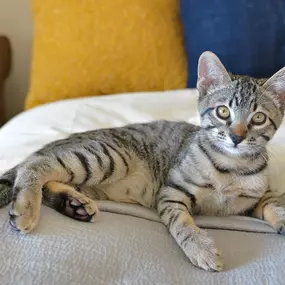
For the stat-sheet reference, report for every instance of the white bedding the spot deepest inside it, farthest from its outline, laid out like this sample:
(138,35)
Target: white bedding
(120,248)
(31,130)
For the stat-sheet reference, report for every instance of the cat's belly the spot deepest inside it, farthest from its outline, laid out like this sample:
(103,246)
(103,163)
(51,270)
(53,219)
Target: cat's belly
(137,187)
(136,193)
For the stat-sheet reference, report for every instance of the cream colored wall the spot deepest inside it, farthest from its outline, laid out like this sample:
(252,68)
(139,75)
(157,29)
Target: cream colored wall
(16,23)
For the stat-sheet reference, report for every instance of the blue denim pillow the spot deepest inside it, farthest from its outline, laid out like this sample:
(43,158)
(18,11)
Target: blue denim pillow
(247,35)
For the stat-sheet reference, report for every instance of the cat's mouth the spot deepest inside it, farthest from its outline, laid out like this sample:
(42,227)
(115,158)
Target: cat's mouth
(231,148)
(227,147)
(240,149)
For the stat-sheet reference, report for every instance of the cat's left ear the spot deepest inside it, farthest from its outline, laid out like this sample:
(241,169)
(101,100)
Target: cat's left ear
(211,72)
(276,84)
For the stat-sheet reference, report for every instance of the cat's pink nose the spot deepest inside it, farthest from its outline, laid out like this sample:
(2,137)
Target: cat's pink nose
(239,129)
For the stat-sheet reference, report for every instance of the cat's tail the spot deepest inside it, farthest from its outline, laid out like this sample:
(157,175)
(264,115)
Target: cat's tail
(6,186)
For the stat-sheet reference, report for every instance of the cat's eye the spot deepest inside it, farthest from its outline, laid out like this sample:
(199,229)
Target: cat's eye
(223,112)
(258,119)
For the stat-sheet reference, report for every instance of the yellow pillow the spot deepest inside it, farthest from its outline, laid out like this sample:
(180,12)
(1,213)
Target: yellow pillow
(99,47)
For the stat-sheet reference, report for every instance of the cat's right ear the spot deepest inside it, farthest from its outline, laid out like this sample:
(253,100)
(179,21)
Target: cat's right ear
(276,85)
(211,72)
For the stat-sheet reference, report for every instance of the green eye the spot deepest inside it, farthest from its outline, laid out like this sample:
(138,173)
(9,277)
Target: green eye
(223,112)
(258,119)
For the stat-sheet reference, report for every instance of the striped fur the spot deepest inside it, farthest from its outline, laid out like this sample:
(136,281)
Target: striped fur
(179,169)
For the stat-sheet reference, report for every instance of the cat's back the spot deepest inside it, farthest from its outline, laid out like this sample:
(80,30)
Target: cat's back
(161,132)
(156,141)
(165,137)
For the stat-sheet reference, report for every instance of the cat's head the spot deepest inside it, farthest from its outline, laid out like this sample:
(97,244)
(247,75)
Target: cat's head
(239,115)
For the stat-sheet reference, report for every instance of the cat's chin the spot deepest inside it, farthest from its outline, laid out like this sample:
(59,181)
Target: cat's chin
(240,150)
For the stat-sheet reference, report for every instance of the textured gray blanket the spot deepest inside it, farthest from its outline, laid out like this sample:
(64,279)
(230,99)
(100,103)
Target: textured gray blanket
(128,245)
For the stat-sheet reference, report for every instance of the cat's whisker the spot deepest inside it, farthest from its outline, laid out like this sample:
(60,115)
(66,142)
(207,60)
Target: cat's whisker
(274,155)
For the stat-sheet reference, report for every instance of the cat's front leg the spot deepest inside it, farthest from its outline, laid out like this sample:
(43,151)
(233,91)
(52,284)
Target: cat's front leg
(270,210)
(174,207)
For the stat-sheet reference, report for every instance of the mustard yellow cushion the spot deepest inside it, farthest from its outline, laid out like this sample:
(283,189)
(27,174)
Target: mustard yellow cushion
(99,47)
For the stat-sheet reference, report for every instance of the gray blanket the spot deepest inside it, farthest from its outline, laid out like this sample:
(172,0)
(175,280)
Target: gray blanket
(129,245)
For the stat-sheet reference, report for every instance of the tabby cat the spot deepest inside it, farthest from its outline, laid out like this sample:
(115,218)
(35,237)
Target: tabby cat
(177,168)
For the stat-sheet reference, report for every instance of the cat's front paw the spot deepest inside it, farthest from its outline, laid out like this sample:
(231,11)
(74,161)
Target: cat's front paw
(25,211)
(201,251)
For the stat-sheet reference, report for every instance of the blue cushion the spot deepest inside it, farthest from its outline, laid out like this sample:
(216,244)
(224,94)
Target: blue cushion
(247,35)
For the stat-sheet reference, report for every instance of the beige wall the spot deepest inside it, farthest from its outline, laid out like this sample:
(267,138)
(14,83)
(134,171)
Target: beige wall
(16,23)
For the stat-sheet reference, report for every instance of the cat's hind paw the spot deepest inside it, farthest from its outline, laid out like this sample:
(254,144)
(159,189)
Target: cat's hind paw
(69,202)
(83,209)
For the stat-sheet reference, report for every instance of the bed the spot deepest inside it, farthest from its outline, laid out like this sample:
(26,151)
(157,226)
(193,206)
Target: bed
(128,244)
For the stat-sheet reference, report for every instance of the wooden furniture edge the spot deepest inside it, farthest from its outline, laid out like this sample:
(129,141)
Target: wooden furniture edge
(5,67)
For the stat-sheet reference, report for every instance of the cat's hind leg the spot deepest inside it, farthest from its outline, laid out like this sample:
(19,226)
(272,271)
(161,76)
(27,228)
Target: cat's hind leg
(70,161)
(68,201)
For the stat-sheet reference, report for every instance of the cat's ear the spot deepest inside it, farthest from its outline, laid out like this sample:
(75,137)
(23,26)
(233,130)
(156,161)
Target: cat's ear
(211,72)
(276,84)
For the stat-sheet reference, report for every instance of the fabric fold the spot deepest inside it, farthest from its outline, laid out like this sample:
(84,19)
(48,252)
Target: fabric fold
(233,223)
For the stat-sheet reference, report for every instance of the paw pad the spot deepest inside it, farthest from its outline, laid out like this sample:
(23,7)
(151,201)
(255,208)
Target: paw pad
(78,210)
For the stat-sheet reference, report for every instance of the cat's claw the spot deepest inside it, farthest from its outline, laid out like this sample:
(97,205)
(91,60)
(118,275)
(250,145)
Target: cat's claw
(280,227)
